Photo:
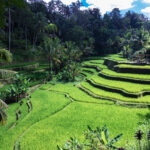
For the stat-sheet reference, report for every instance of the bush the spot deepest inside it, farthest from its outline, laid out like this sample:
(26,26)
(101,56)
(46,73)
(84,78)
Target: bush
(94,140)
(69,72)
(15,91)
(36,76)
(142,138)
(5,56)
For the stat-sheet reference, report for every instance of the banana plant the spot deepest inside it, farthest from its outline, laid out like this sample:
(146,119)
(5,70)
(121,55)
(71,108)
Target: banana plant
(5,56)
(99,138)
(17,89)
(94,140)
(3,115)
(72,144)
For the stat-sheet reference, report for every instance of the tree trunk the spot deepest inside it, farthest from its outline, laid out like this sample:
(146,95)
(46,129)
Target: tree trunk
(26,37)
(51,66)
(34,41)
(9,30)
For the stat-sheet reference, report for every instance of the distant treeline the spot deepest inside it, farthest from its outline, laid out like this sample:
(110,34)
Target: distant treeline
(28,27)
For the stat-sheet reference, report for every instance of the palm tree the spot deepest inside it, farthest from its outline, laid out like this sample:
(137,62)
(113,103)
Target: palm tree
(52,30)
(3,115)
(51,47)
(72,51)
(5,56)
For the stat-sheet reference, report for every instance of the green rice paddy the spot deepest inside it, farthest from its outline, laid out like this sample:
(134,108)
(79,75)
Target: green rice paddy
(61,110)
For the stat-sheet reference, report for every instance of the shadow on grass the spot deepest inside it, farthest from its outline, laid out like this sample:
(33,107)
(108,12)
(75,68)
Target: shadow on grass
(145,116)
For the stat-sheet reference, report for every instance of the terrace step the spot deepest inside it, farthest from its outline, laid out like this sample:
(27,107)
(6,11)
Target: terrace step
(114,96)
(100,61)
(125,86)
(86,74)
(138,69)
(119,90)
(92,66)
(116,101)
(89,70)
(135,78)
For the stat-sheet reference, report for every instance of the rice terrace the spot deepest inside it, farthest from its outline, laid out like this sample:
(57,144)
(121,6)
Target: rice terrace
(73,78)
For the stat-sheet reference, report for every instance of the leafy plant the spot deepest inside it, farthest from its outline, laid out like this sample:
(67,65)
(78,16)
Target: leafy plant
(72,144)
(100,139)
(69,72)
(94,140)
(17,90)
(51,47)
(142,137)
(5,56)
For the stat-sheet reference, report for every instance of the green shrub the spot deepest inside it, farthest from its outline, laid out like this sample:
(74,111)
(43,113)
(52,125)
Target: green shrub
(97,139)
(5,56)
(69,72)
(36,76)
(16,91)
(142,138)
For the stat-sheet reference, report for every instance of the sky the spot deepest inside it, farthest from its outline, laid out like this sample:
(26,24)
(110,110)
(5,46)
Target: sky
(139,6)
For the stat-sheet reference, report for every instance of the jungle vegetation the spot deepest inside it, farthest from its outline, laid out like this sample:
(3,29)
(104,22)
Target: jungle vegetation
(63,69)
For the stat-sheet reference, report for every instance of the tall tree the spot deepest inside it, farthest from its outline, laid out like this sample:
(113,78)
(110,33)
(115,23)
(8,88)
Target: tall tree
(8,4)
(116,21)
(5,56)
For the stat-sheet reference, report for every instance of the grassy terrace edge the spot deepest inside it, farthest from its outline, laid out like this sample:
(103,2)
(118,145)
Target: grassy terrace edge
(119,90)
(116,76)
(115,101)
(86,87)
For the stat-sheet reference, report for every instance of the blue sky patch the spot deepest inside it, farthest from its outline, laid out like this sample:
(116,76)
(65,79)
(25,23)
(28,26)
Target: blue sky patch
(138,5)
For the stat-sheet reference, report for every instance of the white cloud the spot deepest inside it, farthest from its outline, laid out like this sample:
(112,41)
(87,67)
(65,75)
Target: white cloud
(146,1)
(83,8)
(108,5)
(47,1)
(146,11)
(104,5)
(66,2)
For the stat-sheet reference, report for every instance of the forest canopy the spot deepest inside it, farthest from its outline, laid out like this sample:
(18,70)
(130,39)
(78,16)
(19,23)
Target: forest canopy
(25,26)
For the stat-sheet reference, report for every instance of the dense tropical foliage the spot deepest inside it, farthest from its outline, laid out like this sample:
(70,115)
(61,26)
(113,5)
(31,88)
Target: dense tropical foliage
(63,68)
(89,30)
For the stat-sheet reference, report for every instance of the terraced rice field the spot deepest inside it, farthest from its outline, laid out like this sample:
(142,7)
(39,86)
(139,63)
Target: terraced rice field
(62,110)
(128,76)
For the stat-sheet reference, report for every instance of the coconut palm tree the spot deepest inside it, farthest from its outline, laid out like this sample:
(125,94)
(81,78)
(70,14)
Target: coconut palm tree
(51,47)
(3,115)
(5,56)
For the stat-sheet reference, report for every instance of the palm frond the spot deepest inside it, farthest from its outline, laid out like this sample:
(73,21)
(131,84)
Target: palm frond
(3,105)
(5,56)
(3,116)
